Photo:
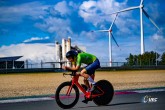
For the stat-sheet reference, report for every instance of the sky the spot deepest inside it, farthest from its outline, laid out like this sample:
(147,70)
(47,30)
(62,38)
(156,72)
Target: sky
(29,28)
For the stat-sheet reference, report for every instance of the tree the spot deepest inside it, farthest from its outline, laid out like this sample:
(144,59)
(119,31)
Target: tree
(130,60)
(148,58)
(163,59)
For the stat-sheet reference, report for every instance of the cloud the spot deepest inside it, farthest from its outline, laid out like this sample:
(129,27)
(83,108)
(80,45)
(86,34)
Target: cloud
(31,52)
(55,25)
(157,37)
(33,39)
(157,43)
(59,21)
(17,13)
(62,7)
(96,11)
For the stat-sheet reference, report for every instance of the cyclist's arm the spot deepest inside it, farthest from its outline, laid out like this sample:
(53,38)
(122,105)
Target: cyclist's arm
(73,68)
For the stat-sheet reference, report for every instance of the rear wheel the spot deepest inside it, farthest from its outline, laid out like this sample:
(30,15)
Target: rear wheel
(106,98)
(65,100)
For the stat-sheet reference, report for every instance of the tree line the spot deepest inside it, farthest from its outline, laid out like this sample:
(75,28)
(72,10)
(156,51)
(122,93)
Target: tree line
(148,58)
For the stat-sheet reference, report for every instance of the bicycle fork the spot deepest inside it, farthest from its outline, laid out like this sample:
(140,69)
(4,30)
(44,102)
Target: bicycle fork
(69,90)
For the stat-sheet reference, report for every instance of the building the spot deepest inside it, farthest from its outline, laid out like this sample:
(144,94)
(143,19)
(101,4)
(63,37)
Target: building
(58,49)
(66,46)
(11,63)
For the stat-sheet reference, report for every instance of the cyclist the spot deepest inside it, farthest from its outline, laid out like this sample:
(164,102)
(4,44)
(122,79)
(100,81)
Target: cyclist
(90,60)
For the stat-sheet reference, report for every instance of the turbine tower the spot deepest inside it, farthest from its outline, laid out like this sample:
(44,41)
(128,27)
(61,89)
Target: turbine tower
(110,41)
(141,7)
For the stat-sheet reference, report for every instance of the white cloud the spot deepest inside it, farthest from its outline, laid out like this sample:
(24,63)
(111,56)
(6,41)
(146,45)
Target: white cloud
(156,42)
(90,10)
(61,26)
(16,13)
(55,25)
(96,12)
(36,38)
(157,37)
(62,7)
(32,52)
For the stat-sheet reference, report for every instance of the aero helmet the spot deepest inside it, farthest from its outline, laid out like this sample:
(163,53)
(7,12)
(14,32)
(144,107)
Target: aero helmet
(71,53)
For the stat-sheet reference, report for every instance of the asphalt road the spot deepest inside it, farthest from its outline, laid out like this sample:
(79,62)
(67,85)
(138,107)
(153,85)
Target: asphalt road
(119,102)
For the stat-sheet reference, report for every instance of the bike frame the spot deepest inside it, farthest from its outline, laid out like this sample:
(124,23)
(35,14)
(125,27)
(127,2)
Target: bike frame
(87,94)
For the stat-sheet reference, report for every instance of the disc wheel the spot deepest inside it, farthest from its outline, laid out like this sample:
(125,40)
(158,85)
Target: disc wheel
(106,98)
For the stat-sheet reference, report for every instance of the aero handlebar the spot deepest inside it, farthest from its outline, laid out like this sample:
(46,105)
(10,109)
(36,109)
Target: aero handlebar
(71,74)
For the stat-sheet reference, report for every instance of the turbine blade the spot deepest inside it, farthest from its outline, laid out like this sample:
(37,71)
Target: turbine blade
(100,31)
(141,2)
(150,19)
(127,9)
(113,22)
(114,39)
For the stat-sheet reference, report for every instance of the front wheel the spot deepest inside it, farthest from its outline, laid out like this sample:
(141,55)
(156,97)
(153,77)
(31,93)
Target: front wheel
(67,95)
(106,98)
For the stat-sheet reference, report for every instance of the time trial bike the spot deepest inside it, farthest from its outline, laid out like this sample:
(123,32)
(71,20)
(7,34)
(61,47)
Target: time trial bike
(67,94)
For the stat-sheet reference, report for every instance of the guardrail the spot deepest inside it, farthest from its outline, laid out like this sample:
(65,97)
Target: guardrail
(34,70)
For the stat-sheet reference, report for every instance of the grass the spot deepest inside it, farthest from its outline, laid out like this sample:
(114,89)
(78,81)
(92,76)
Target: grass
(26,84)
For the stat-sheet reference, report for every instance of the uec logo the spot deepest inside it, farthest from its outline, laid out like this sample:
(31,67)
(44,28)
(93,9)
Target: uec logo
(148,99)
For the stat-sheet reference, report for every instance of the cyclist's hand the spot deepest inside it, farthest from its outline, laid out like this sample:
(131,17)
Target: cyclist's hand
(64,67)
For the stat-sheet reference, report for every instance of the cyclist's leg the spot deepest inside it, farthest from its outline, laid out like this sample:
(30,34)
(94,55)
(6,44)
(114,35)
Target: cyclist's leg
(93,76)
(87,75)
(86,82)
(89,70)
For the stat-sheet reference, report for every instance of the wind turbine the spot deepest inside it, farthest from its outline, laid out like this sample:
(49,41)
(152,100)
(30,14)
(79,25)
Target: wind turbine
(141,7)
(110,41)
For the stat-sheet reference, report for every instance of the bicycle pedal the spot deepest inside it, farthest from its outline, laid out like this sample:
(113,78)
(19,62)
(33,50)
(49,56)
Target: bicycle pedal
(86,101)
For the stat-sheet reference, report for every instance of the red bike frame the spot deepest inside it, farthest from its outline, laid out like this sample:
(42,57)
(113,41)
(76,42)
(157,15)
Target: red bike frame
(87,94)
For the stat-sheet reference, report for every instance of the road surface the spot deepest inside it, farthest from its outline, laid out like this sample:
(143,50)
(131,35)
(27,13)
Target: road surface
(152,100)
